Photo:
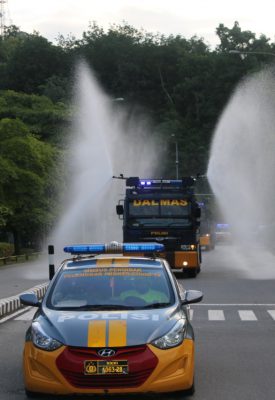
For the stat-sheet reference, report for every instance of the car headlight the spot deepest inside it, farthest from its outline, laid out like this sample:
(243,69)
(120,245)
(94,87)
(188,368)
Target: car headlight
(173,338)
(43,341)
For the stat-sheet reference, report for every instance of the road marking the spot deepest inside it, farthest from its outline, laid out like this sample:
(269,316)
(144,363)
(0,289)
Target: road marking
(191,314)
(216,315)
(247,315)
(271,313)
(11,316)
(27,316)
(234,305)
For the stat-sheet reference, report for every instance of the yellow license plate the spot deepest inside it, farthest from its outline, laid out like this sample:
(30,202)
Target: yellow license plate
(102,367)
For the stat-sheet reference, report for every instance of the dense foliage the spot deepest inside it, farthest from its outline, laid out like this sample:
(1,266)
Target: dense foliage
(182,85)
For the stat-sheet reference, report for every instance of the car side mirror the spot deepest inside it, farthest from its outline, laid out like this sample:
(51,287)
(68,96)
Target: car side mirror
(119,209)
(192,296)
(30,299)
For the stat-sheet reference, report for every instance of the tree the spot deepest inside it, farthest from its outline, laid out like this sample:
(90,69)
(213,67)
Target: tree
(31,61)
(236,39)
(26,182)
(44,118)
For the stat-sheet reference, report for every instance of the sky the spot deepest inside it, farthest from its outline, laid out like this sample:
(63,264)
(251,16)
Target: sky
(184,17)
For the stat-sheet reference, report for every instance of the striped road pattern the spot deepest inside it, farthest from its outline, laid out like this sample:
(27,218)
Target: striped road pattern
(233,312)
(203,313)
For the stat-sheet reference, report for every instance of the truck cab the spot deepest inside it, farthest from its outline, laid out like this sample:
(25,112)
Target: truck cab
(164,211)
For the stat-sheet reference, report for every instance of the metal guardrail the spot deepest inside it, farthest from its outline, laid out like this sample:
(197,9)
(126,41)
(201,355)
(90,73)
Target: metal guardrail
(19,258)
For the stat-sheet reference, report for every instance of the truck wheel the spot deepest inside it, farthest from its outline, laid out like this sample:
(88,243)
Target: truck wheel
(193,273)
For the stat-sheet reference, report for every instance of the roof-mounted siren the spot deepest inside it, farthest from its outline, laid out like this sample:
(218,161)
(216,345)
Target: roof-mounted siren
(133,181)
(114,248)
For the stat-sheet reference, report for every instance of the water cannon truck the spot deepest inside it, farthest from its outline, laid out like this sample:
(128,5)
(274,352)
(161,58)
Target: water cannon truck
(166,212)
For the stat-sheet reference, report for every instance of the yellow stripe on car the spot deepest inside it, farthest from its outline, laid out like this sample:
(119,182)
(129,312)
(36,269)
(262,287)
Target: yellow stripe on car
(117,333)
(97,333)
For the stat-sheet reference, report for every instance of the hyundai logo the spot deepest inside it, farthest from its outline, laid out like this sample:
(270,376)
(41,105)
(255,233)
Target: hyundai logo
(106,352)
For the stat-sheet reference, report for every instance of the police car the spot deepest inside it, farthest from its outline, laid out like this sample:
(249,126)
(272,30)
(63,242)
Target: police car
(111,323)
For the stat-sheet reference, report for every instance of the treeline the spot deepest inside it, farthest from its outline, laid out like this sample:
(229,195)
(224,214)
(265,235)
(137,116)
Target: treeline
(181,85)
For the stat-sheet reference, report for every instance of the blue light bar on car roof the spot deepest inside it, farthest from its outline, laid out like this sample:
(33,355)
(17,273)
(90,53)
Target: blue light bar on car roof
(85,248)
(142,247)
(113,247)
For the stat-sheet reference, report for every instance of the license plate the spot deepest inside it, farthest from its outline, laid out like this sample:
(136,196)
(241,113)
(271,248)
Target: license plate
(103,367)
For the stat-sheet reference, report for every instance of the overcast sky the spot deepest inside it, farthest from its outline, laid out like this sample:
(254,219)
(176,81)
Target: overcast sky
(184,17)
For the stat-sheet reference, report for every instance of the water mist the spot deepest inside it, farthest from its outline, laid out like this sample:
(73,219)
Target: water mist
(242,164)
(106,141)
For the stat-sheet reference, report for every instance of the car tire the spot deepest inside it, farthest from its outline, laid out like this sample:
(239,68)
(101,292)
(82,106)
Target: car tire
(185,393)
(193,273)
(189,392)
(31,395)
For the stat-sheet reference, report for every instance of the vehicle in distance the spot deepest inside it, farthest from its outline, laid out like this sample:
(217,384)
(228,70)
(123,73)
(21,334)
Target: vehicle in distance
(223,233)
(110,324)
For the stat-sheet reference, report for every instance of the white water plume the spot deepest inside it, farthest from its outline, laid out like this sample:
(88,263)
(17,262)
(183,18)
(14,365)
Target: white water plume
(106,141)
(242,160)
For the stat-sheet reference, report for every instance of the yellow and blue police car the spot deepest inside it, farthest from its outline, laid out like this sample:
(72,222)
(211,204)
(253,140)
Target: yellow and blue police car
(111,323)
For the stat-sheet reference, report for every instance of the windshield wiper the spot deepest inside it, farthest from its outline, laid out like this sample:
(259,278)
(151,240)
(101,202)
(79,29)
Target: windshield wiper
(94,307)
(157,305)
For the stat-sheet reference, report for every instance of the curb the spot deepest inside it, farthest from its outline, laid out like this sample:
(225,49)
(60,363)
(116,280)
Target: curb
(11,304)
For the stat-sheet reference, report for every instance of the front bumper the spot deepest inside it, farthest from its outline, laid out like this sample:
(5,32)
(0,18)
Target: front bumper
(172,371)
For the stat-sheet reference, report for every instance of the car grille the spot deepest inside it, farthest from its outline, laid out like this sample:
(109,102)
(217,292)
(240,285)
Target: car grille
(141,362)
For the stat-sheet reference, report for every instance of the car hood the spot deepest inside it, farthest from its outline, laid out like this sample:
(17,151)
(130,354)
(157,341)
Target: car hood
(108,328)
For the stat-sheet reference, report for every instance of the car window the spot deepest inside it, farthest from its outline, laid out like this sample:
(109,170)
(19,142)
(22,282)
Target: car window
(131,286)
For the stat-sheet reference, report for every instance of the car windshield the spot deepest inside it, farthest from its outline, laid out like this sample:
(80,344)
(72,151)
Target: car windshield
(111,287)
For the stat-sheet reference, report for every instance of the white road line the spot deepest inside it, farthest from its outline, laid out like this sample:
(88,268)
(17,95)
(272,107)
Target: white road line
(11,316)
(247,315)
(191,314)
(216,315)
(233,305)
(271,313)
(28,316)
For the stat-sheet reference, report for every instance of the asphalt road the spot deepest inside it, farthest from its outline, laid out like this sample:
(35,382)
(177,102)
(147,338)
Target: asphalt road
(16,278)
(234,328)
